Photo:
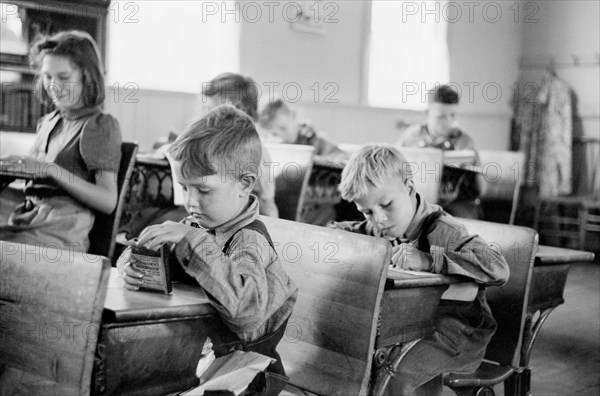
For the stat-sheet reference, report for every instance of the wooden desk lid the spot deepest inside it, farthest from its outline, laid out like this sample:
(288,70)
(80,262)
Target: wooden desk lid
(124,305)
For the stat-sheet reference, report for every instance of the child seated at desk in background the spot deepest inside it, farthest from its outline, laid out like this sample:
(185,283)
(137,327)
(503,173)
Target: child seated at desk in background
(425,238)
(461,189)
(242,92)
(222,244)
(279,120)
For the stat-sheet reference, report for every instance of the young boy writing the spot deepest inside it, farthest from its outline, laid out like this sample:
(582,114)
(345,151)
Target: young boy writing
(425,238)
(221,243)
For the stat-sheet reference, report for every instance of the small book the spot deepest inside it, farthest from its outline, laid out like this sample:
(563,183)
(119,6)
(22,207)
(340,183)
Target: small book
(154,265)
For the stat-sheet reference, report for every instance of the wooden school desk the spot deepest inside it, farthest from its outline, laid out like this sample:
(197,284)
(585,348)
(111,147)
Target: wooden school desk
(407,314)
(550,271)
(150,343)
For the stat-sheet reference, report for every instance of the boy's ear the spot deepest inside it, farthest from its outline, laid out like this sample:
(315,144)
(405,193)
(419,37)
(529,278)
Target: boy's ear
(247,183)
(410,184)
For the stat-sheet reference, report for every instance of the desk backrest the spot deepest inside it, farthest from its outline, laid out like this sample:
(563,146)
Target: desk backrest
(350,148)
(508,302)
(503,172)
(426,165)
(103,234)
(291,167)
(51,306)
(329,342)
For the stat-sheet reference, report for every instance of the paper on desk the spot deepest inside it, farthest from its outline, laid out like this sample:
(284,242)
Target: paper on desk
(465,291)
(409,273)
(232,372)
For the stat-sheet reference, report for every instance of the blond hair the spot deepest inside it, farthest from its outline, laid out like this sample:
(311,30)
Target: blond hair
(372,166)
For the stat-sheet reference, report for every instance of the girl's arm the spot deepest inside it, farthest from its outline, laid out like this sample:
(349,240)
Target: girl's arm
(101,196)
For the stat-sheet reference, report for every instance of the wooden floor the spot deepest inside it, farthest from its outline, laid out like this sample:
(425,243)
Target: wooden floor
(566,356)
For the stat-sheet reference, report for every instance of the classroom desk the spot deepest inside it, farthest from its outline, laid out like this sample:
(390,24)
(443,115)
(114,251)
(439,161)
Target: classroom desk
(150,343)
(550,271)
(408,307)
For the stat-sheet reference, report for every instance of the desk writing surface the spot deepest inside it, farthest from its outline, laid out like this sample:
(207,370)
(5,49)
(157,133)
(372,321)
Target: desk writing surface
(123,305)
(323,162)
(557,255)
(153,159)
(401,279)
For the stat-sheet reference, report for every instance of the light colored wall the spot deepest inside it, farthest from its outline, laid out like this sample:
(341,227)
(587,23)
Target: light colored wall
(482,53)
(145,115)
(567,31)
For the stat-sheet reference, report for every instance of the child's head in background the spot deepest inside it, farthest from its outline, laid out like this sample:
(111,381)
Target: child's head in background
(278,119)
(216,161)
(69,69)
(234,89)
(378,180)
(442,110)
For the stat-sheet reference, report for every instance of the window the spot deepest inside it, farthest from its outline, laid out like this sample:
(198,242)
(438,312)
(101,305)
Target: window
(408,53)
(170,45)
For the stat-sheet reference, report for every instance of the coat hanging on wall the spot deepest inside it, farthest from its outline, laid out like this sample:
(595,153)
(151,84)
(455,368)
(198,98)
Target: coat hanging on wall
(543,124)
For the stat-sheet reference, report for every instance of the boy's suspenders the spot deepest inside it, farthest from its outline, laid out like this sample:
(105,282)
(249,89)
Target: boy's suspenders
(423,244)
(274,379)
(257,226)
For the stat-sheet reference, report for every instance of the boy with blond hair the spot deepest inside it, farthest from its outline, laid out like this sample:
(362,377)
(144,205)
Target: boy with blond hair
(222,244)
(425,238)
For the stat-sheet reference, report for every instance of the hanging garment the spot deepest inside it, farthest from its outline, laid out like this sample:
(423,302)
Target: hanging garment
(544,126)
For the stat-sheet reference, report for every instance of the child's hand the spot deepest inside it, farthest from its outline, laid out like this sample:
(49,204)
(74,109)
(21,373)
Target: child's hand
(408,257)
(154,236)
(133,279)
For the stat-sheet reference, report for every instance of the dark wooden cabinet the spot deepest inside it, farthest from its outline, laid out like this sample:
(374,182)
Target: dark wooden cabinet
(22,21)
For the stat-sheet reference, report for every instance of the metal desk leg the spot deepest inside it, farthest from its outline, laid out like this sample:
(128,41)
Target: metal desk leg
(385,362)
(531,333)
(520,382)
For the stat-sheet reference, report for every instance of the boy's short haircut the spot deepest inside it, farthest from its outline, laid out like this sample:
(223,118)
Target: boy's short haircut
(444,94)
(223,141)
(269,112)
(240,91)
(372,166)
